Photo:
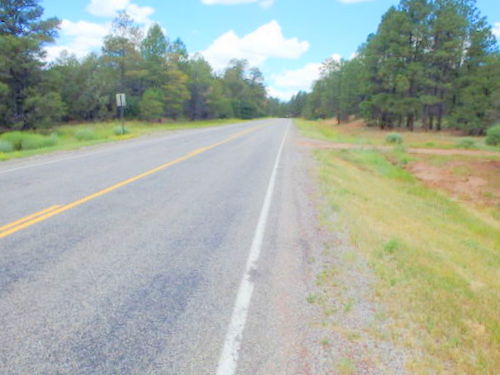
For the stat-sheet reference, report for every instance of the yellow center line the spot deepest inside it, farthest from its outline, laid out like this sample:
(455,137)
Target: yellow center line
(30,220)
(26,218)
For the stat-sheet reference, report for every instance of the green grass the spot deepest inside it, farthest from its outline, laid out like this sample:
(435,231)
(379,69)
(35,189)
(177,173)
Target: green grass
(6,146)
(437,261)
(324,131)
(85,135)
(67,137)
(466,143)
(394,138)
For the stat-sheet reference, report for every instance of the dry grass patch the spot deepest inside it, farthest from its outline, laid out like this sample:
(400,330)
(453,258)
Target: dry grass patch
(356,132)
(74,136)
(438,263)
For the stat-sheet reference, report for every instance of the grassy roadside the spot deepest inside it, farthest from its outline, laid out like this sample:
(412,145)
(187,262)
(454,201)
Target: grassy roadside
(437,262)
(68,137)
(350,133)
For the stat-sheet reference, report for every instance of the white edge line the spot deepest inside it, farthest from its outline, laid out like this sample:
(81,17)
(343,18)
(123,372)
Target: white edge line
(229,357)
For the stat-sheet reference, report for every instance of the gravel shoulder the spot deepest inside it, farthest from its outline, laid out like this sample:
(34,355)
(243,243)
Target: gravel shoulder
(342,328)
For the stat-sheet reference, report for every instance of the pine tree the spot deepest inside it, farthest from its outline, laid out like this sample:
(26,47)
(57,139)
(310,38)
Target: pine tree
(23,34)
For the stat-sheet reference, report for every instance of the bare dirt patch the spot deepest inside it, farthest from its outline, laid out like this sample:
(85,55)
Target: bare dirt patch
(477,181)
(474,180)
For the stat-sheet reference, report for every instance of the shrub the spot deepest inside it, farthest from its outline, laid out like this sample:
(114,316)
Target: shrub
(34,141)
(14,138)
(85,135)
(493,135)
(466,143)
(394,138)
(392,246)
(6,146)
(118,130)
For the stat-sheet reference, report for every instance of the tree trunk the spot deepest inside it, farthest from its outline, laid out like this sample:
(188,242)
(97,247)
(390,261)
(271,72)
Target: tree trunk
(410,122)
(439,117)
(425,122)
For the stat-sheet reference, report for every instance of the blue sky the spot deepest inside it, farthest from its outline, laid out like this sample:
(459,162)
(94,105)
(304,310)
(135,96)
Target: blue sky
(286,39)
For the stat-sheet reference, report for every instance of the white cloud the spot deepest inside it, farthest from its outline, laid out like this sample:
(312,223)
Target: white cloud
(84,37)
(302,78)
(289,82)
(106,8)
(109,9)
(496,29)
(284,95)
(258,46)
(262,3)
(298,79)
(140,14)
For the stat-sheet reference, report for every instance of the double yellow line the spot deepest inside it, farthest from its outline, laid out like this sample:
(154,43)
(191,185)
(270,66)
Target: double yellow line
(45,214)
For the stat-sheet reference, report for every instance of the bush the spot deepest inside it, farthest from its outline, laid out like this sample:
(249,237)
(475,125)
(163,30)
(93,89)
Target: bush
(394,138)
(493,135)
(14,138)
(85,135)
(6,146)
(118,130)
(466,143)
(34,141)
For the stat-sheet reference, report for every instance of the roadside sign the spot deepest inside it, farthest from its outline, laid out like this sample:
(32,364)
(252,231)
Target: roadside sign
(121,103)
(120,100)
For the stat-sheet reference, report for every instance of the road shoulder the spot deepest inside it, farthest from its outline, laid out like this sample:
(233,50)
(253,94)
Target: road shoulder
(314,309)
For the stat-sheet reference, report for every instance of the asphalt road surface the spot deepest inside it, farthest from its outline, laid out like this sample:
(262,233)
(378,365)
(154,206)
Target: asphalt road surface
(168,255)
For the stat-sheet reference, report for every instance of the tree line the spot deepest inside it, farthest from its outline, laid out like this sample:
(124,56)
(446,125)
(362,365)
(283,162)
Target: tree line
(431,63)
(158,76)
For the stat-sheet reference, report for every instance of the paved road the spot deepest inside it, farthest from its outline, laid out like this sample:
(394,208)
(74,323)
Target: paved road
(129,258)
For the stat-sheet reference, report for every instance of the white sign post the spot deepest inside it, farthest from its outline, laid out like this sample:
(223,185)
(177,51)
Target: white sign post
(120,100)
(121,103)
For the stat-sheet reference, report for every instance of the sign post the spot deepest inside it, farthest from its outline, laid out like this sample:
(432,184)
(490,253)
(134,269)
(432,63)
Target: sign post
(121,103)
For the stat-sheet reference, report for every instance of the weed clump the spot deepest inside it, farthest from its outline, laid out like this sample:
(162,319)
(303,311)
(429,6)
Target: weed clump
(118,130)
(394,138)
(466,143)
(35,141)
(85,135)
(14,138)
(392,246)
(493,135)
(6,146)
(28,141)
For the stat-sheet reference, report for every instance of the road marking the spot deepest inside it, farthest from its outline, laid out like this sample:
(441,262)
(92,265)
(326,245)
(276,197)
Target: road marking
(230,354)
(26,218)
(30,220)
(120,146)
